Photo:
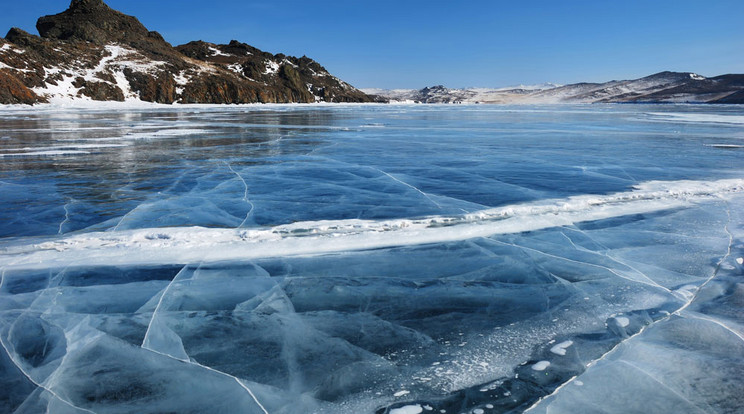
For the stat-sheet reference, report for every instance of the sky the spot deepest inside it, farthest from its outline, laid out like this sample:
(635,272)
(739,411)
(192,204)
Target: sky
(477,43)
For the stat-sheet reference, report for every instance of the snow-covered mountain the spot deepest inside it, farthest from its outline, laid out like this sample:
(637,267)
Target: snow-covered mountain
(94,52)
(673,87)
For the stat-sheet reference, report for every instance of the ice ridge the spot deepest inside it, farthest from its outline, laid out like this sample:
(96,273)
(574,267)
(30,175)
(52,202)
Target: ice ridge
(184,245)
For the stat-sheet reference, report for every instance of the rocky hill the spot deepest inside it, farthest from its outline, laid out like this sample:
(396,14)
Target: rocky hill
(91,51)
(664,87)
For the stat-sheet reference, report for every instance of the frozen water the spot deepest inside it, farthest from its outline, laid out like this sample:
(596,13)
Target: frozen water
(378,259)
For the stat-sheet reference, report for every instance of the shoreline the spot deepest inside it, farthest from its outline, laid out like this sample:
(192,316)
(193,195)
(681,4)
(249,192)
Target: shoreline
(139,105)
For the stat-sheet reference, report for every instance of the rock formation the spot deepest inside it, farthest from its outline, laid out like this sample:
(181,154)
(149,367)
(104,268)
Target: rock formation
(91,51)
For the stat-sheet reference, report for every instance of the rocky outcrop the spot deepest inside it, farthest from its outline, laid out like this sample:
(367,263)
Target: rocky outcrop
(95,22)
(13,91)
(91,51)
(291,79)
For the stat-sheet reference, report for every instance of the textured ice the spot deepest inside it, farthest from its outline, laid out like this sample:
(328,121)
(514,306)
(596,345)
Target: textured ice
(291,259)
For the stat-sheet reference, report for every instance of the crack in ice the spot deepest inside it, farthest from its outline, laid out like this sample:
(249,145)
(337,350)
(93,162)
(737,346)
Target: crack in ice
(245,195)
(157,307)
(240,383)
(678,312)
(718,265)
(67,215)
(649,283)
(664,386)
(699,316)
(27,375)
(615,259)
(412,187)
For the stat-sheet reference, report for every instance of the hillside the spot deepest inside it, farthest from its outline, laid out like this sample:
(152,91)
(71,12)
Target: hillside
(91,51)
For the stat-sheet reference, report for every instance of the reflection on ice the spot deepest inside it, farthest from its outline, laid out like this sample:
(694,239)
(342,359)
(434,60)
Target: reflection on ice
(287,260)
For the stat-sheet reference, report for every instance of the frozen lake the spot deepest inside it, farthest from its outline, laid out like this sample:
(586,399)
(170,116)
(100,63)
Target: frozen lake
(372,259)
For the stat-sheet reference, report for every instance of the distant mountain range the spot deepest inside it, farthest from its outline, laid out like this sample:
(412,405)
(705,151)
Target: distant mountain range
(664,87)
(91,51)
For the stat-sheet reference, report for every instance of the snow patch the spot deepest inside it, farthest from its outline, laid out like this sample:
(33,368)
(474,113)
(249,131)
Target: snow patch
(622,321)
(64,89)
(560,349)
(541,366)
(408,409)
(181,81)
(217,52)
(235,67)
(115,59)
(9,47)
(123,83)
(271,67)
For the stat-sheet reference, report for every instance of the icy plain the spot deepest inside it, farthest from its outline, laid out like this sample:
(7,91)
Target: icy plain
(372,259)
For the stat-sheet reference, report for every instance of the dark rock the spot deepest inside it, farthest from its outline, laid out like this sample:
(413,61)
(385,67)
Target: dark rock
(98,91)
(21,37)
(734,98)
(13,91)
(92,21)
(297,89)
(217,89)
(159,88)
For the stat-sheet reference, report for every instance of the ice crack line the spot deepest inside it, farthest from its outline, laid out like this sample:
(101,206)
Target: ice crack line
(27,375)
(67,215)
(412,187)
(699,316)
(245,194)
(718,265)
(661,384)
(606,254)
(124,217)
(677,312)
(649,281)
(160,302)
(240,383)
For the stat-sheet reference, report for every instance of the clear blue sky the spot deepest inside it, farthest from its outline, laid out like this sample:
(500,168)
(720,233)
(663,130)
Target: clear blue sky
(417,43)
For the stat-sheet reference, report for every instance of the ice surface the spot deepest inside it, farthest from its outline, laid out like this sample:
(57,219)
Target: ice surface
(286,259)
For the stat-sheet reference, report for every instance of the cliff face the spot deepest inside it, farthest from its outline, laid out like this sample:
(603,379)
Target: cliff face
(92,51)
